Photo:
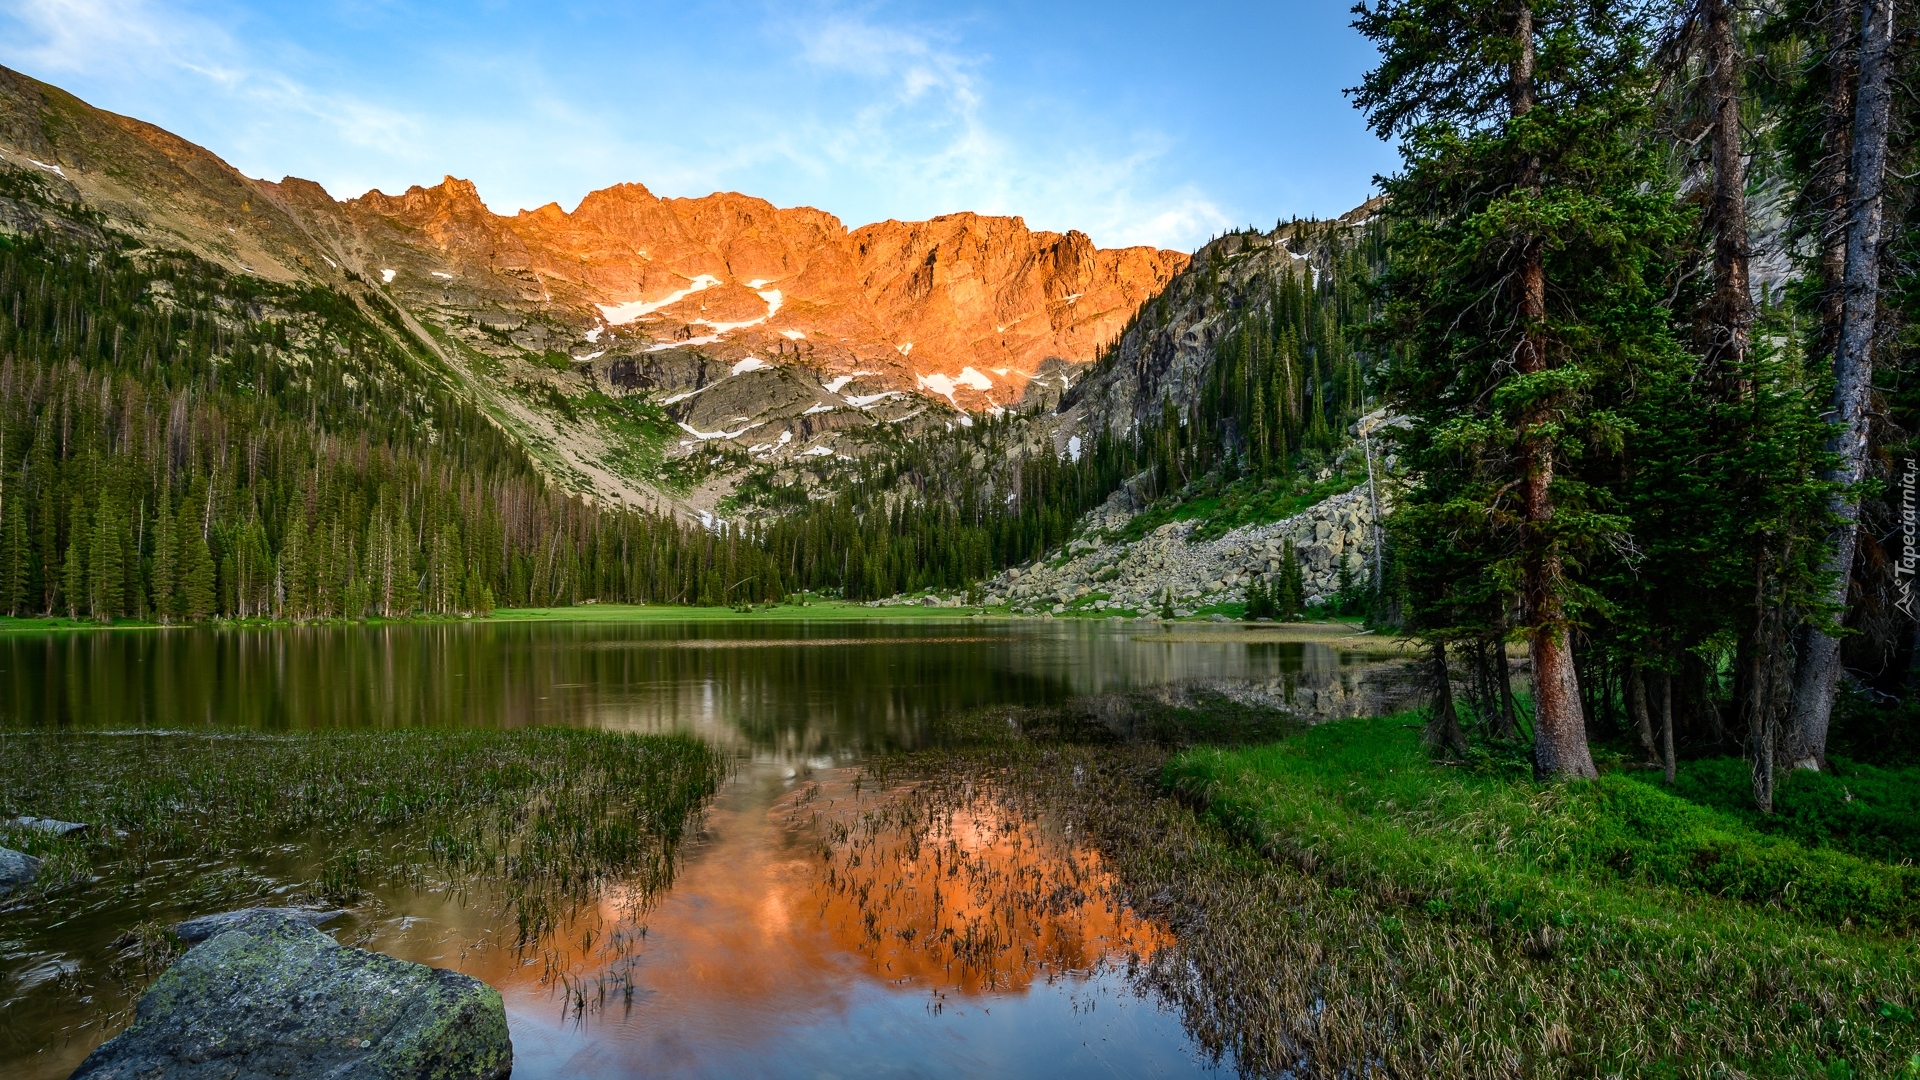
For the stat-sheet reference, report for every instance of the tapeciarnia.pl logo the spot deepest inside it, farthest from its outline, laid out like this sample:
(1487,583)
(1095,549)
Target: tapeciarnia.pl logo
(1903,567)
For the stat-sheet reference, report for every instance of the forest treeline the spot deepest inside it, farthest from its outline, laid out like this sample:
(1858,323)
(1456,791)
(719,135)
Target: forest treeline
(947,509)
(178,442)
(1646,297)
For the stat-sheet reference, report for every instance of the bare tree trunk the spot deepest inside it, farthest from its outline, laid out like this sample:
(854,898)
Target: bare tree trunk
(1509,711)
(1559,725)
(1443,722)
(1731,318)
(1636,693)
(1819,675)
(1833,170)
(1666,724)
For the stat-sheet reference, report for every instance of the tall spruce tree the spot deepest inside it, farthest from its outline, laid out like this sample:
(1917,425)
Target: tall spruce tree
(1530,227)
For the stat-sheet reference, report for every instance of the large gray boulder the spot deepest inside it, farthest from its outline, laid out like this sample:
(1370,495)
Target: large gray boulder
(274,997)
(17,868)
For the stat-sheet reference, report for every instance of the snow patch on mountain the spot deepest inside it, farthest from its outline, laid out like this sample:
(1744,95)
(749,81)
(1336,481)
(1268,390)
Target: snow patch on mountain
(622,314)
(945,385)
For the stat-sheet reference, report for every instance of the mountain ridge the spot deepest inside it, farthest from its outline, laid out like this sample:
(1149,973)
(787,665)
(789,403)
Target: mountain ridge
(599,337)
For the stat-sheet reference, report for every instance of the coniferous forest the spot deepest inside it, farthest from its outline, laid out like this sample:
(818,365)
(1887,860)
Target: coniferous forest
(182,443)
(1645,300)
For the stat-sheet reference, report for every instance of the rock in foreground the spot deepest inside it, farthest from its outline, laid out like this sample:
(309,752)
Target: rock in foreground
(274,997)
(17,868)
(51,826)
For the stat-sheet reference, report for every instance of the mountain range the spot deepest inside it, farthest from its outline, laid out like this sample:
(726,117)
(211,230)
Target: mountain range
(732,331)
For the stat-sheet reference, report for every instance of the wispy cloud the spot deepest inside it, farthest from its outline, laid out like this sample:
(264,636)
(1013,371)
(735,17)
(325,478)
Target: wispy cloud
(856,114)
(933,129)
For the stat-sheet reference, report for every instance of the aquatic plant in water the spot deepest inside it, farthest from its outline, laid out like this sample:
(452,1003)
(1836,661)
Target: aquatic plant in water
(538,824)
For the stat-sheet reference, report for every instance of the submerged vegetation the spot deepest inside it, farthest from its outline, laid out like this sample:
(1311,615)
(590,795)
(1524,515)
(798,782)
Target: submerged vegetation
(552,815)
(539,823)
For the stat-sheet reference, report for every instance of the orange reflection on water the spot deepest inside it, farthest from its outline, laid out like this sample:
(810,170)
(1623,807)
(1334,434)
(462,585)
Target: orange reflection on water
(972,897)
(797,902)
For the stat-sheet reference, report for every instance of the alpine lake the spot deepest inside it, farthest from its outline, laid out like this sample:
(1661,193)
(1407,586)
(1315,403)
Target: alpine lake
(798,926)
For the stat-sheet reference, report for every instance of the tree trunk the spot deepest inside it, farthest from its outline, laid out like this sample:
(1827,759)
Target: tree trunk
(1829,187)
(1636,693)
(1731,317)
(1819,675)
(1443,721)
(1666,724)
(1483,692)
(1559,726)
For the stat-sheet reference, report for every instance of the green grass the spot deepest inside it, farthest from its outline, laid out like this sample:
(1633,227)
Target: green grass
(1861,809)
(550,814)
(638,432)
(813,609)
(1656,935)
(1221,508)
(594,612)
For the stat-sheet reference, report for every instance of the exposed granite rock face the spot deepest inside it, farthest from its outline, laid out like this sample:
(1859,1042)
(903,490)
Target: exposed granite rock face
(17,869)
(626,294)
(273,997)
(1167,352)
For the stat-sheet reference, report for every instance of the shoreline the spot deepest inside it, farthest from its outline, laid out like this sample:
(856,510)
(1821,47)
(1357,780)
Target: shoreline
(1334,632)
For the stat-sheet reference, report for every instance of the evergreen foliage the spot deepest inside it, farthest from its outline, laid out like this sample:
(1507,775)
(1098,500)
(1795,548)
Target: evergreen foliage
(180,443)
(1621,450)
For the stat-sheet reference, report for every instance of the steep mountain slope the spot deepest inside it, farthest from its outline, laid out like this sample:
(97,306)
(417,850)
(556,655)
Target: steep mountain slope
(1219,425)
(645,350)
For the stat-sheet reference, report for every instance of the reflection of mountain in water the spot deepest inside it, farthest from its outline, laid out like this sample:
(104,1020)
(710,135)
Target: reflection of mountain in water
(788,691)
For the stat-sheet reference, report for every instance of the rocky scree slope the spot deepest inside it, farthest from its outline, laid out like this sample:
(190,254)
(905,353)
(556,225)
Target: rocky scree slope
(643,349)
(1104,573)
(1164,355)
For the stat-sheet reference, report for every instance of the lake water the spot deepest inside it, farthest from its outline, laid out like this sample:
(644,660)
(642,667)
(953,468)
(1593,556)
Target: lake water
(756,963)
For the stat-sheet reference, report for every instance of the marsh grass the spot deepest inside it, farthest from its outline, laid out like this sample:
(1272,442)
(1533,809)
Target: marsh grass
(1332,916)
(541,824)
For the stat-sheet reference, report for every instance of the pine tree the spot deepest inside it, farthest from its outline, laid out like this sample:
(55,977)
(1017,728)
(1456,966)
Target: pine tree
(15,553)
(79,544)
(1531,227)
(196,598)
(108,576)
(166,561)
(295,575)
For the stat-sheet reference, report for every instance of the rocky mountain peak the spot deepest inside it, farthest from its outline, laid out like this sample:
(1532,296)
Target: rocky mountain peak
(758,329)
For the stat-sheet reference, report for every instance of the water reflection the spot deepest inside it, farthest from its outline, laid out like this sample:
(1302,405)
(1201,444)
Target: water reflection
(809,933)
(769,959)
(789,691)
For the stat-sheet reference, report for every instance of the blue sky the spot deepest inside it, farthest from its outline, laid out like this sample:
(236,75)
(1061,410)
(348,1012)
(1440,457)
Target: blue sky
(1134,122)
